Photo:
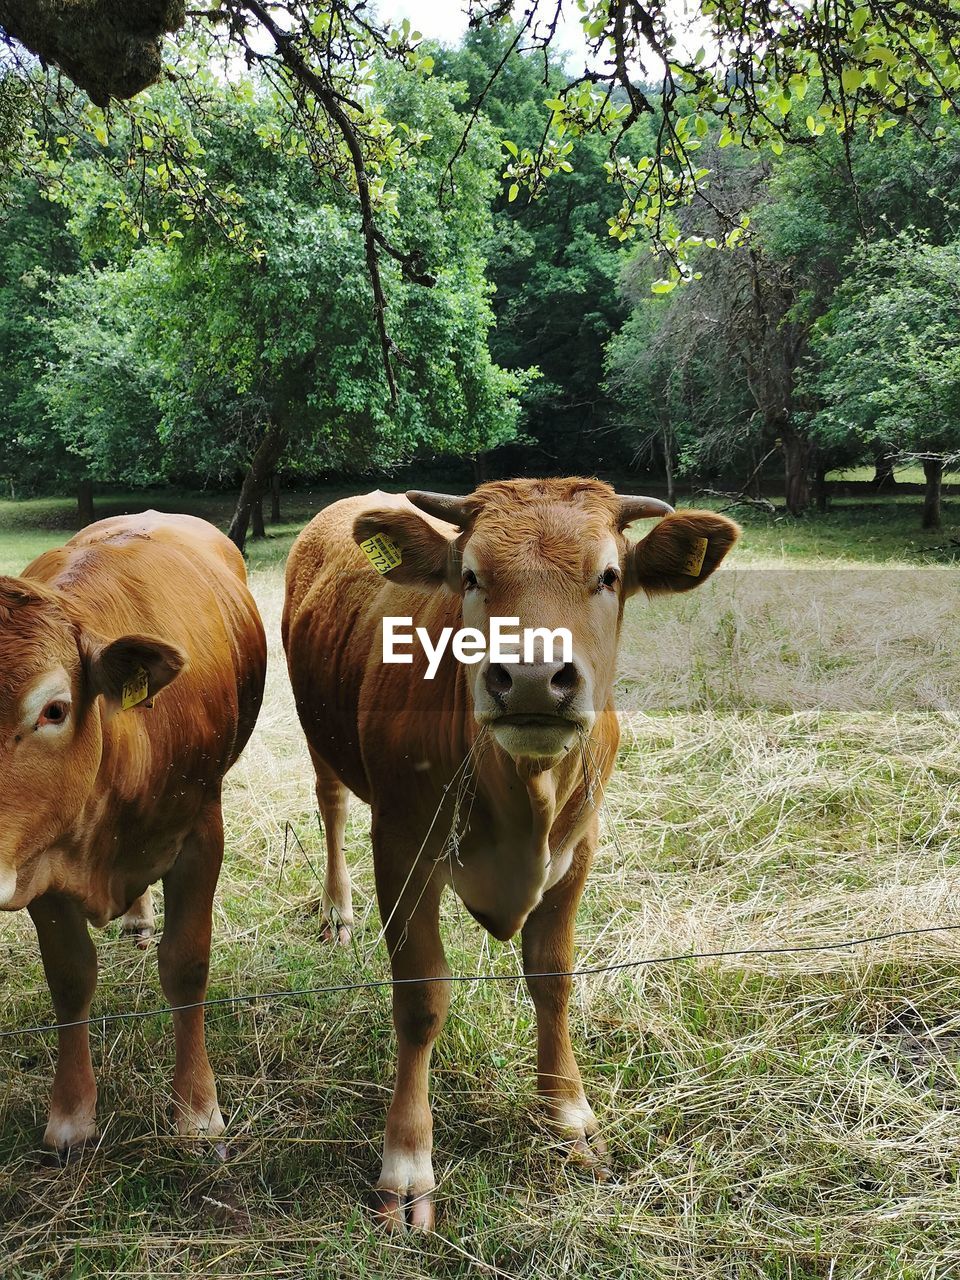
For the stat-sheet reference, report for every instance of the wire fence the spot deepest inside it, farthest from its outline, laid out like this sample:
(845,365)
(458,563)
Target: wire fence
(367,984)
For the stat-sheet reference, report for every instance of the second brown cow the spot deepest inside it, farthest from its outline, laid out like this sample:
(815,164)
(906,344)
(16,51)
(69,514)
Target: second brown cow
(487,777)
(132,665)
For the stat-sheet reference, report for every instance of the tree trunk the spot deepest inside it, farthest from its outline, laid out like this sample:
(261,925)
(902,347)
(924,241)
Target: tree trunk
(275,498)
(933,475)
(257,529)
(263,462)
(883,474)
(479,462)
(85,512)
(820,490)
(796,468)
(668,466)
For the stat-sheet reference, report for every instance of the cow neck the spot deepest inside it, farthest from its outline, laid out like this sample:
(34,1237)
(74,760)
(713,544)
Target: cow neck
(551,795)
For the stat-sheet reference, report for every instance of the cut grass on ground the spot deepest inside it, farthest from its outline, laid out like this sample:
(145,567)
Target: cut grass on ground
(789,775)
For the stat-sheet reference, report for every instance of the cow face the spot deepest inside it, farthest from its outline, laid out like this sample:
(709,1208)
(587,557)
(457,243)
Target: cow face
(552,554)
(52,673)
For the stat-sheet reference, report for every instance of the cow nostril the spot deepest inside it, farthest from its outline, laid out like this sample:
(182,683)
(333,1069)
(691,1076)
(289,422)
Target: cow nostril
(498,678)
(566,678)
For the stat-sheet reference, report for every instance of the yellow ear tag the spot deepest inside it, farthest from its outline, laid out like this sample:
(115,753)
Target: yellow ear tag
(382,552)
(136,690)
(694,561)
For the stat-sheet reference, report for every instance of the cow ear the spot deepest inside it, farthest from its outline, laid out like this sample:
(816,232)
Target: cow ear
(407,549)
(131,670)
(680,553)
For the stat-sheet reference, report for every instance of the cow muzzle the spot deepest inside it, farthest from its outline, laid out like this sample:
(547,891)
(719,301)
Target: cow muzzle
(534,709)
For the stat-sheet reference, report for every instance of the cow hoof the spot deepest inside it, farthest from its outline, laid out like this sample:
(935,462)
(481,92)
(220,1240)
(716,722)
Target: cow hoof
(589,1151)
(337,932)
(60,1157)
(141,935)
(395,1212)
(66,1137)
(203,1125)
(58,1154)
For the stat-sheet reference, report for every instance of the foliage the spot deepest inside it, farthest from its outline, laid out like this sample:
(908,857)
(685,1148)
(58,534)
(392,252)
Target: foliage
(746,323)
(35,248)
(173,350)
(555,271)
(889,359)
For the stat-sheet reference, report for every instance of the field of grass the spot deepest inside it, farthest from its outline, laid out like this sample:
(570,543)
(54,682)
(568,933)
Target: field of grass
(910,474)
(789,776)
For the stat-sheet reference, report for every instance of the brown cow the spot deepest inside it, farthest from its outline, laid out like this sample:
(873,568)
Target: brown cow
(486,778)
(110,784)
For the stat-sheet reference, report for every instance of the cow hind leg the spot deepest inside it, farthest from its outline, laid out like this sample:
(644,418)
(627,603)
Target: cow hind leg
(548,947)
(333,800)
(70,964)
(184,960)
(139,922)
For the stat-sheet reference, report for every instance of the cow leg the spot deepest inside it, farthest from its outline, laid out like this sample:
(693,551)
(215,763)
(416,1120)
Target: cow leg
(404,1191)
(139,921)
(184,960)
(333,800)
(70,963)
(548,947)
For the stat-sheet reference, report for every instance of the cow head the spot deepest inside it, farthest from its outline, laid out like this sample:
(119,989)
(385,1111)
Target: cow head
(58,683)
(552,553)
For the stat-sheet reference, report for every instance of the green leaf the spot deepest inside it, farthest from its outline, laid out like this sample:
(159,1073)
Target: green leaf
(513,192)
(851,79)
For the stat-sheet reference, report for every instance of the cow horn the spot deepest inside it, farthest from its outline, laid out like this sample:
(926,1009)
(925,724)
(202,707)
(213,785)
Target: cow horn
(445,506)
(636,508)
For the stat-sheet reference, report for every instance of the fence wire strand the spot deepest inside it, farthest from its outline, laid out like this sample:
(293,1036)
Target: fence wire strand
(368,984)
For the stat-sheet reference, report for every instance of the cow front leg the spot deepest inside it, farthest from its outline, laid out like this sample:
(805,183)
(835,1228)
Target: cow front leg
(548,947)
(403,1195)
(139,921)
(184,960)
(70,964)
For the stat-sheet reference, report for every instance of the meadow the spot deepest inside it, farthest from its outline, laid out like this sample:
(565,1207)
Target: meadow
(789,777)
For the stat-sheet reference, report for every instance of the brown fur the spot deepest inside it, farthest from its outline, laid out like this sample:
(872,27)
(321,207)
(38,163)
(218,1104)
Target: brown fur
(540,548)
(94,812)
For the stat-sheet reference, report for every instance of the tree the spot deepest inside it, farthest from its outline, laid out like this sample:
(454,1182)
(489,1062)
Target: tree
(767,72)
(556,271)
(97,382)
(35,248)
(678,405)
(889,356)
(749,316)
(260,349)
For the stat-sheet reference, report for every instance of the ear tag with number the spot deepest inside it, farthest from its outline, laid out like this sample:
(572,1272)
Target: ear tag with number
(135,690)
(382,552)
(694,561)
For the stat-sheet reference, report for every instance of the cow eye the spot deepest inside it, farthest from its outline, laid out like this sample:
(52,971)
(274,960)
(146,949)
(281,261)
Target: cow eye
(469,580)
(609,579)
(54,713)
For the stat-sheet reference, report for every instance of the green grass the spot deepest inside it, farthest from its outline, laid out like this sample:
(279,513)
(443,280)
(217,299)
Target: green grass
(789,774)
(905,475)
